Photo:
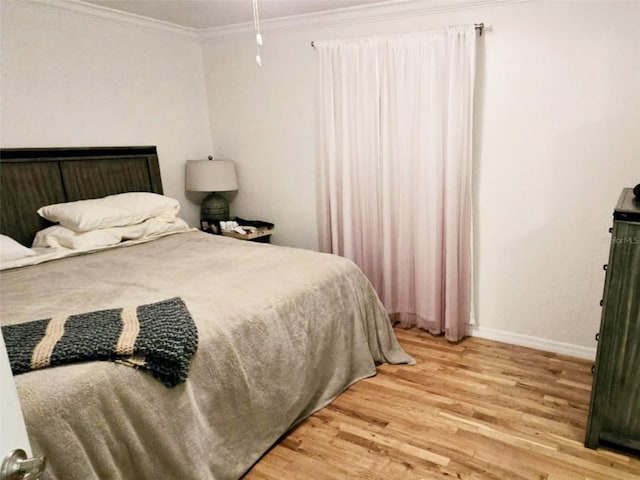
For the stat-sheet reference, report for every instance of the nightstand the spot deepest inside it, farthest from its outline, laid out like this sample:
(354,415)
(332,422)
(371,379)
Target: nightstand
(261,235)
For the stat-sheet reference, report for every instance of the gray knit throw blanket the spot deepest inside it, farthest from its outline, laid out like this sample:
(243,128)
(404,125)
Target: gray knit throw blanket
(158,338)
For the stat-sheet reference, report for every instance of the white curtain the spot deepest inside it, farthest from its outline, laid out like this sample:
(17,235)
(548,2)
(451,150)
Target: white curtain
(394,169)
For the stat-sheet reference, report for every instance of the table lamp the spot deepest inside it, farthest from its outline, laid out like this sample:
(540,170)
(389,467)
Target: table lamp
(211,176)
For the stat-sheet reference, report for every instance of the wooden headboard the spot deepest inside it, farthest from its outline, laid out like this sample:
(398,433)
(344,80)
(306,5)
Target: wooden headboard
(34,177)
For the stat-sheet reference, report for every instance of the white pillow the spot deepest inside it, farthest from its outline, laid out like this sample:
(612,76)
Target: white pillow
(112,211)
(58,236)
(12,250)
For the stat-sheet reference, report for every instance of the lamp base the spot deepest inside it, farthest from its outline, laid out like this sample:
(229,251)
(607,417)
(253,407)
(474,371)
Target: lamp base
(214,208)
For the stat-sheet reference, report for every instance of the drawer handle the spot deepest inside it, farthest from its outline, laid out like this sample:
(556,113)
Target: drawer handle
(602,302)
(593,368)
(597,337)
(610,229)
(604,267)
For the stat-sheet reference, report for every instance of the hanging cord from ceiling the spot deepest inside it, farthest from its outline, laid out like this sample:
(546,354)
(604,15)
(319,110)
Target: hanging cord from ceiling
(256,28)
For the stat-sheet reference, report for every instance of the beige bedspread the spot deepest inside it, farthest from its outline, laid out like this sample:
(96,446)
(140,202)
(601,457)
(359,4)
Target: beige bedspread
(282,333)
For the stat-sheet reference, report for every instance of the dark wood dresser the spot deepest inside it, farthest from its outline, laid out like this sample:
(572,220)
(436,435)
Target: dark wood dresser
(614,414)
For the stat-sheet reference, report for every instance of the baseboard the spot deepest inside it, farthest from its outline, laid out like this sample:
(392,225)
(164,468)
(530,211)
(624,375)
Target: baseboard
(538,343)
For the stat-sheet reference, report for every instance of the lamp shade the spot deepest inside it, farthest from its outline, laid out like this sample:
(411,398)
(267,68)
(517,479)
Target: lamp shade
(210,176)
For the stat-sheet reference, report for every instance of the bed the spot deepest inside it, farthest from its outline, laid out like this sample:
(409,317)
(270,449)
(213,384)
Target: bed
(281,332)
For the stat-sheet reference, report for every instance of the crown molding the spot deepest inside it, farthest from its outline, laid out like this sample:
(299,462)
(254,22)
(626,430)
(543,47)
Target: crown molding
(109,15)
(390,10)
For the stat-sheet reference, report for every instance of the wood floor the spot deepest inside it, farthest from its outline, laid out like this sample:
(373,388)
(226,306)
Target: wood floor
(476,410)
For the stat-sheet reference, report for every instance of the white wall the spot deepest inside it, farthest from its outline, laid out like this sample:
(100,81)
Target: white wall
(557,130)
(557,137)
(70,79)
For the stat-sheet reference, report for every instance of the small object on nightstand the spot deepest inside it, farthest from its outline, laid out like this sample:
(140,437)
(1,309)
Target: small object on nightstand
(259,224)
(255,235)
(212,226)
(252,230)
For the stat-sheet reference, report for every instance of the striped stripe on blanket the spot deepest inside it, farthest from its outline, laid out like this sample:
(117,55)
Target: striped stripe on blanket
(158,338)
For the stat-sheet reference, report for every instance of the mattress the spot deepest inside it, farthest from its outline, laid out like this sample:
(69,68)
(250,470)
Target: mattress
(282,332)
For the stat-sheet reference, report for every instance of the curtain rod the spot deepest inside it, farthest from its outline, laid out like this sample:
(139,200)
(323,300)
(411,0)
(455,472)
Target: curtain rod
(478,26)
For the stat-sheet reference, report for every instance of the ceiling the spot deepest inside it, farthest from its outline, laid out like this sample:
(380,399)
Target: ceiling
(218,13)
